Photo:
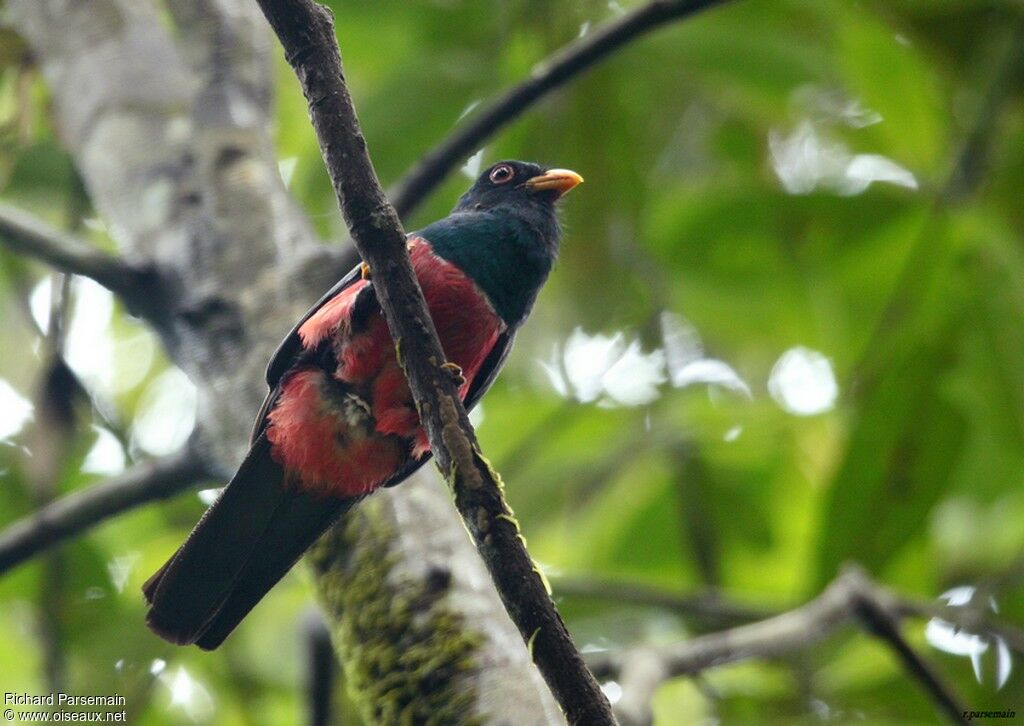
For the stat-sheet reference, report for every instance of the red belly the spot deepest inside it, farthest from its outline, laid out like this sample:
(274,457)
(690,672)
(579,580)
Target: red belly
(347,436)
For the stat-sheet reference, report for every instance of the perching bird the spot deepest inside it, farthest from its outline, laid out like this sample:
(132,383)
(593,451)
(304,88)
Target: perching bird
(339,421)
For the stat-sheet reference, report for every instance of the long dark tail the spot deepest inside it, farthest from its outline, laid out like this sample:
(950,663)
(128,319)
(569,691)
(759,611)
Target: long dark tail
(244,544)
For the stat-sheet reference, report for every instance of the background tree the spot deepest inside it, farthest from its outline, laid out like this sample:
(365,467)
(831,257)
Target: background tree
(784,334)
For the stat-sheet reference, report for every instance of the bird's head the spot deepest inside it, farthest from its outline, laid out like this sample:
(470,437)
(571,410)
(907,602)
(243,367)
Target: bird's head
(518,184)
(504,233)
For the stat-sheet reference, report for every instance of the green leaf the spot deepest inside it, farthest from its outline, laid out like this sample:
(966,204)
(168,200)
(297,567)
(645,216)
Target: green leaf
(901,457)
(891,74)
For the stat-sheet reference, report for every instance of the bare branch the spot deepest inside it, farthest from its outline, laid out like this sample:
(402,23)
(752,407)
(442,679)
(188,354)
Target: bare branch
(706,608)
(321,668)
(884,625)
(554,71)
(66,517)
(27,235)
(642,671)
(851,598)
(306,30)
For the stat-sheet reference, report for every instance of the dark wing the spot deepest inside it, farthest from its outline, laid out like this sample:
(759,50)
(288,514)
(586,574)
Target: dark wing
(289,348)
(492,365)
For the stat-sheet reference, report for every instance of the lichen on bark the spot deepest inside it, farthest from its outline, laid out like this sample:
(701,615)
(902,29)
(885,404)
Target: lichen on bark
(408,657)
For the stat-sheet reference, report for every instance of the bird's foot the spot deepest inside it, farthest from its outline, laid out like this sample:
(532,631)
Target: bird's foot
(455,372)
(364,270)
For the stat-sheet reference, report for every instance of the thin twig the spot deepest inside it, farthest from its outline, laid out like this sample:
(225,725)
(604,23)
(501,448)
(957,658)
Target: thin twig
(553,72)
(306,31)
(852,598)
(707,608)
(30,236)
(103,410)
(51,438)
(642,671)
(77,512)
(884,625)
(321,669)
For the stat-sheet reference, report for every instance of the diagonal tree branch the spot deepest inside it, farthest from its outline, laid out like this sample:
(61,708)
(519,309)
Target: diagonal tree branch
(27,235)
(707,608)
(852,598)
(883,624)
(77,512)
(555,71)
(306,31)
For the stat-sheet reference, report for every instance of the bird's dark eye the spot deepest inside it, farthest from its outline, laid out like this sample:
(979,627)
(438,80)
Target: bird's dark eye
(502,174)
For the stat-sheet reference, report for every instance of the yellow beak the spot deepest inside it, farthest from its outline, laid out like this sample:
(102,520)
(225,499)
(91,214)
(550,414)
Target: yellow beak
(560,180)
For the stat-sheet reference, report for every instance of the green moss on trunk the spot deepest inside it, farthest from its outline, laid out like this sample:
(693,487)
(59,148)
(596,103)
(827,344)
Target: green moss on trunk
(407,657)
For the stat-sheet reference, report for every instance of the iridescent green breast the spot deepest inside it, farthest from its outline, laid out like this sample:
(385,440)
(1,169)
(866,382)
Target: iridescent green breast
(507,256)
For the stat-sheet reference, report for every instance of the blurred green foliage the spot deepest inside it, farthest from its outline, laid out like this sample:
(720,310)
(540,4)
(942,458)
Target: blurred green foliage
(720,188)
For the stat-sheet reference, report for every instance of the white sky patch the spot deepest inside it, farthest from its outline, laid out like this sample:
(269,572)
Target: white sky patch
(710,371)
(120,569)
(949,638)
(682,341)
(476,416)
(585,359)
(807,160)
(133,356)
(832,105)
(106,456)
(687,366)
(611,370)
(634,378)
(286,168)
(863,170)
(604,369)
(89,349)
(209,496)
(802,382)
(106,364)
(167,413)
(187,694)
(39,303)
(15,410)
(612,691)
(473,165)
